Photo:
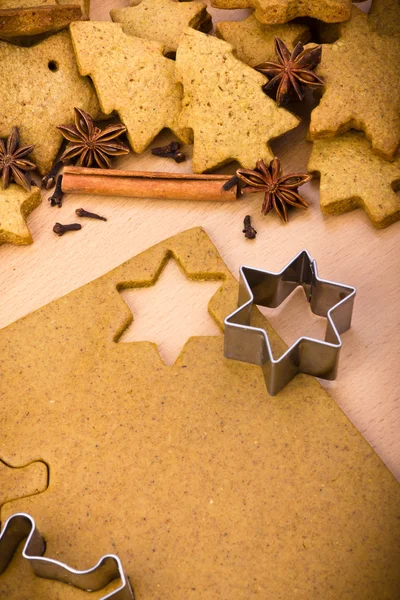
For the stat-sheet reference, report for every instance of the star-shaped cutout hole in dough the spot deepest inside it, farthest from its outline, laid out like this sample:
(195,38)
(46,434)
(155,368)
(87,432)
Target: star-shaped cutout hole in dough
(132,77)
(45,99)
(15,204)
(225,106)
(353,176)
(161,20)
(361,72)
(170,312)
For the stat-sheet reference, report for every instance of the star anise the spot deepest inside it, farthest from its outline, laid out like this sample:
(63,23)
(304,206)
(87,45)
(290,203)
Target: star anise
(279,191)
(13,163)
(293,71)
(90,144)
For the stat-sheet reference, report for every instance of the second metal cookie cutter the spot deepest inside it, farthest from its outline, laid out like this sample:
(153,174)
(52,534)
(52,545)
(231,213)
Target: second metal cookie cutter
(307,355)
(21,526)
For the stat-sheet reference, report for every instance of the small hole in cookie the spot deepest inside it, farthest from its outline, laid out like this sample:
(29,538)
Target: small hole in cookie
(53,66)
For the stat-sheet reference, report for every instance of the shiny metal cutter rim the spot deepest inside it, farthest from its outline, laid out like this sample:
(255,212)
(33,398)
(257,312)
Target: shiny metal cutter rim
(307,355)
(21,526)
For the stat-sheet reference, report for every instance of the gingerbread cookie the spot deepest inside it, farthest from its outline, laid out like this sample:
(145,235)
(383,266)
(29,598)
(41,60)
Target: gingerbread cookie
(384,17)
(21,22)
(353,176)
(132,77)
(224,105)
(254,42)
(15,205)
(84,4)
(6,4)
(45,99)
(282,11)
(162,20)
(361,71)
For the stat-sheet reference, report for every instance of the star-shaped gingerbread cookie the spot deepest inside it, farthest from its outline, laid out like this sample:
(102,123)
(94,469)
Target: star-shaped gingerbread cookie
(38,102)
(353,176)
(224,105)
(132,77)
(282,11)
(254,42)
(361,72)
(15,206)
(161,20)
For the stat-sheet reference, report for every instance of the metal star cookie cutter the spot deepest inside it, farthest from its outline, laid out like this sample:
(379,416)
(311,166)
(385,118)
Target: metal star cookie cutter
(307,355)
(21,526)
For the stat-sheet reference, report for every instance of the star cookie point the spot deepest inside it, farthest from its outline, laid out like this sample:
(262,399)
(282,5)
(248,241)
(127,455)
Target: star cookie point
(15,205)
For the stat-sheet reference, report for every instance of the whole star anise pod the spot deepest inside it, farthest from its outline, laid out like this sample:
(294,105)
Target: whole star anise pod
(293,71)
(279,191)
(90,144)
(13,164)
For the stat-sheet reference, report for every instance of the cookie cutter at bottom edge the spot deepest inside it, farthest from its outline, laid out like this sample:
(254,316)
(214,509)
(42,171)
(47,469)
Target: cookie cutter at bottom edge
(21,526)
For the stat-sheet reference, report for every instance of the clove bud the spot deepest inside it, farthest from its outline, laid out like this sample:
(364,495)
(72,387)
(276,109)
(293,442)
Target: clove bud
(56,198)
(60,229)
(49,179)
(172,150)
(81,212)
(249,231)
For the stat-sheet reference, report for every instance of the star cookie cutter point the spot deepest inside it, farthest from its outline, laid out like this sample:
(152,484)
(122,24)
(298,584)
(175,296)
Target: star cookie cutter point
(22,526)
(307,355)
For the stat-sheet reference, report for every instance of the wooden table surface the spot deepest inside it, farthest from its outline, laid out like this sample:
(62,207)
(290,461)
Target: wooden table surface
(347,248)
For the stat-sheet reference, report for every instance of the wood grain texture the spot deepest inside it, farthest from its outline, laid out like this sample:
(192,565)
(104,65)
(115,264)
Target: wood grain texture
(347,249)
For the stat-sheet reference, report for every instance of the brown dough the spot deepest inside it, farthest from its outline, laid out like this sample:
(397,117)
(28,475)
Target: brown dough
(206,487)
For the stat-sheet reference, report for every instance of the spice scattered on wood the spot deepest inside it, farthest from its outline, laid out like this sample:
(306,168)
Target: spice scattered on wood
(172,150)
(249,231)
(81,212)
(278,191)
(60,229)
(91,145)
(57,197)
(49,179)
(292,72)
(14,165)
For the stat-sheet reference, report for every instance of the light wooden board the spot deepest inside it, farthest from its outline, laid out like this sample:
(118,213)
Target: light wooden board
(347,248)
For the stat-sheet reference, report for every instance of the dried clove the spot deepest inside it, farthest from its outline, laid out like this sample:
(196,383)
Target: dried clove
(60,229)
(49,179)
(231,182)
(249,231)
(81,212)
(56,198)
(172,150)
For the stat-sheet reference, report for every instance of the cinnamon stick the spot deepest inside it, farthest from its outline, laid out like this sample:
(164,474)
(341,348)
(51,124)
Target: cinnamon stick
(142,184)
